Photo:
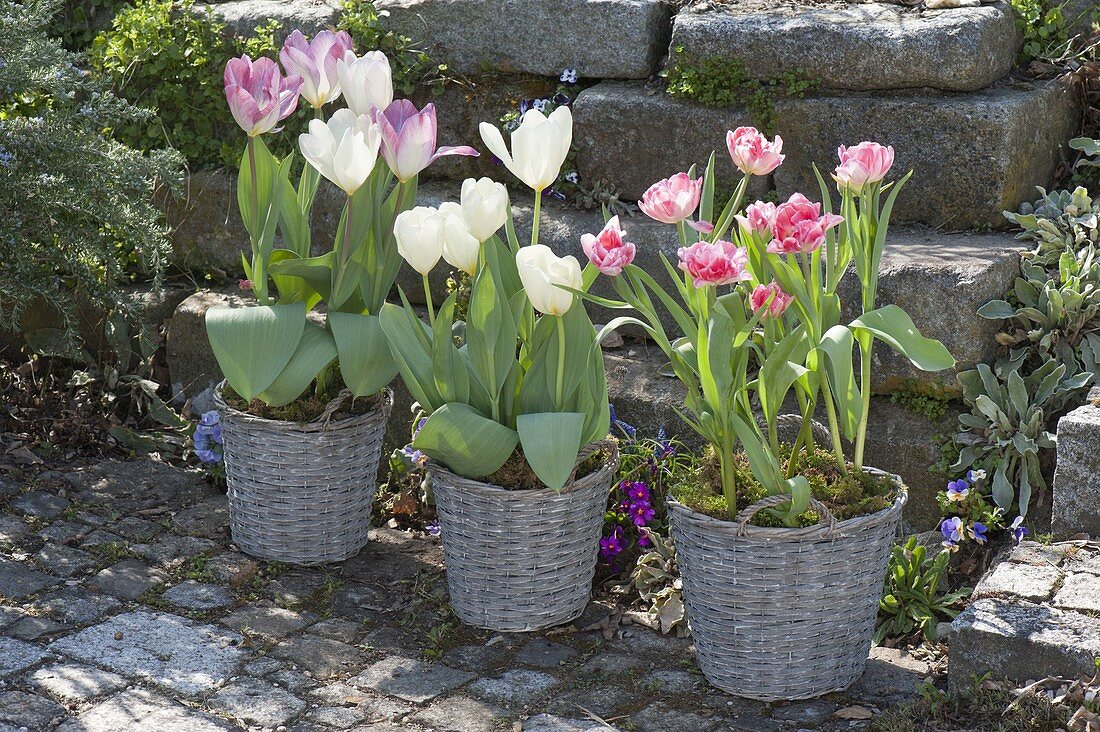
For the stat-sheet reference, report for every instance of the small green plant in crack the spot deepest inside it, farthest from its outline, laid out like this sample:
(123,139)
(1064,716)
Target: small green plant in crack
(196,569)
(933,408)
(111,552)
(440,638)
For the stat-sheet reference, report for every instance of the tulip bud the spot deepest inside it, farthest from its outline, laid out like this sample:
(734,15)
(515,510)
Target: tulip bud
(541,272)
(484,206)
(420,234)
(779,300)
(609,252)
(367,81)
(344,149)
(460,247)
(258,94)
(862,165)
(539,146)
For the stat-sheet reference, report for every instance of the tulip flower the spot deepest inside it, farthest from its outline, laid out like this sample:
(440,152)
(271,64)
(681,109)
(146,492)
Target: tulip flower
(862,165)
(779,299)
(759,217)
(752,152)
(541,273)
(344,149)
(408,138)
(460,247)
(799,226)
(315,61)
(484,206)
(539,146)
(367,81)
(420,233)
(608,250)
(672,200)
(258,94)
(710,265)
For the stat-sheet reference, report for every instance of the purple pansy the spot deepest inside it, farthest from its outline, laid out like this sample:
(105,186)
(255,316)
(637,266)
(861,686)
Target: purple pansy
(569,76)
(637,491)
(208,438)
(958,490)
(1019,531)
(952,530)
(978,531)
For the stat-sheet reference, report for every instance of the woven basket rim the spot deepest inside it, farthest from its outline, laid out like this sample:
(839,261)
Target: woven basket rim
(382,408)
(610,465)
(815,532)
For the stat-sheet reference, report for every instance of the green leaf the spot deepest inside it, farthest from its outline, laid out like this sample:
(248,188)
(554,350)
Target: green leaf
(893,326)
(315,351)
(838,345)
(291,288)
(365,359)
(997,310)
(452,378)
(315,271)
(465,441)
(411,348)
(1002,488)
(254,344)
(551,441)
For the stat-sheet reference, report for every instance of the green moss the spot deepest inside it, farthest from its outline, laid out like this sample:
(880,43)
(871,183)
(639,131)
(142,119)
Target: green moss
(930,406)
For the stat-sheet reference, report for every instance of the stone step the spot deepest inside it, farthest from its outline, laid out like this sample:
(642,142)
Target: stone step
(974,155)
(863,46)
(1033,616)
(1076,499)
(309,16)
(600,39)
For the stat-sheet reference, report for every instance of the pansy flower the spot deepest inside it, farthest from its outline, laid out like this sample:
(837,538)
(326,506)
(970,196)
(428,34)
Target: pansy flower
(978,531)
(1019,531)
(958,490)
(952,530)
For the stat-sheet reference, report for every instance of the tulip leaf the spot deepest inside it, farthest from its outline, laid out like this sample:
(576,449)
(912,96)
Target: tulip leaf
(551,441)
(452,378)
(838,344)
(315,271)
(365,359)
(254,344)
(491,332)
(292,288)
(293,222)
(465,441)
(315,351)
(893,326)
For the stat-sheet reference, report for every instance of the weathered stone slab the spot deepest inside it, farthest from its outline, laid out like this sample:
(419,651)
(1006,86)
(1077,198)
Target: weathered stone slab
(462,714)
(862,46)
(995,144)
(517,687)
(1080,592)
(1076,504)
(132,485)
(127,580)
(269,622)
(552,723)
(193,595)
(544,653)
(411,679)
(322,657)
(16,655)
(1021,641)
(73,682)
(141,709)
(39,504)
(64,561)
(308,16)
(18,581)
(257,702)
(187,657)
(76,605)
(29,711)
(540,37)
(1031,582)
(33,628)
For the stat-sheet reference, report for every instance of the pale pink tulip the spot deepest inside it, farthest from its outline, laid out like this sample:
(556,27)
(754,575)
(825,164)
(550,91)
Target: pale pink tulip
(862,165)
(710,265)
(752,152)
(259,95)
(315,61)
(758,217)
(799,226)
(672,200)
(409,137)
(608,250)
(779,299)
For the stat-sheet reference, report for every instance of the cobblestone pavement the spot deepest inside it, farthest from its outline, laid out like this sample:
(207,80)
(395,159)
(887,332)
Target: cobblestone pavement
(124,606)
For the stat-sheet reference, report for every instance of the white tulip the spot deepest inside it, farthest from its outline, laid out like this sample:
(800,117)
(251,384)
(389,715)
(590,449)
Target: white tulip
(541,272)
(484,206)
(420,234)
(367,81)
(344,149)
(460,247)
(539,146)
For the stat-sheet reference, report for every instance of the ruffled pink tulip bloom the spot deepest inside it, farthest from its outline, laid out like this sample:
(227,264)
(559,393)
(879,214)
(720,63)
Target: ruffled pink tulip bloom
(799,226)
(779,299)
(758,217)
(409,137)
(752,152)
(608,250)
(866,163)
(672,200)
(710,265)
(315,61)
(259,95)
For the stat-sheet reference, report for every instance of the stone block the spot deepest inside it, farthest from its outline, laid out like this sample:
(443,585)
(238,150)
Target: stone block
(1021,641)
(1027,581)
(73,682)
(1080,592)
(601,39)
(192,367)
(1076,502)
(974,155)
(862,46)
(308,16)
(141,709)
(257,702)
(411,679)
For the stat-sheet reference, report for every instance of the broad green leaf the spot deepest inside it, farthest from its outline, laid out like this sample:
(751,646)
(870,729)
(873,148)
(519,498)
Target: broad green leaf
(254,344)
(761,461)
(551,441)
(291,288)
(452,378)
(293,220)
(365,359)
(465,441)
(997,310)
(316,271)
(893,326)
(411,348)
(800,498)
(1002,487)
(490,331)
(315,351)
(838,344)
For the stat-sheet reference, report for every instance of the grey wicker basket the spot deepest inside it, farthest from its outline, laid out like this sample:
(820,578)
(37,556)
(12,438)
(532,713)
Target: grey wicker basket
(301,492)
(782,613)
(522,560)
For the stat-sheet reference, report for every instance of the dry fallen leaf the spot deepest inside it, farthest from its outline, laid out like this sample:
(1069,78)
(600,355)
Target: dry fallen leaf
(853,712)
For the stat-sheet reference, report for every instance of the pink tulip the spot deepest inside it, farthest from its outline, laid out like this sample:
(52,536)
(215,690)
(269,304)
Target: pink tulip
(315,61)
(672,200)
(259,95)
(862,165)
(752,152)
(799,226)
(758,217)
(714,264)
(607,250)
(779,299)
(409,136)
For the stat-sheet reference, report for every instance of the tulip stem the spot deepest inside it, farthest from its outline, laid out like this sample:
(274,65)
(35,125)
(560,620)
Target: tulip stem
(428,301)
(259,266)
(561,360)
(535,220)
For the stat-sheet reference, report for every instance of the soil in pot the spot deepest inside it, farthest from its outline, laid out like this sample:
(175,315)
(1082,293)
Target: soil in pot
(517,475)
(306,408)
(699,487)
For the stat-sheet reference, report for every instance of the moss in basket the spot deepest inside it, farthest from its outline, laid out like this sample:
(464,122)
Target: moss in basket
(517,475)
(306,408)
(856,494)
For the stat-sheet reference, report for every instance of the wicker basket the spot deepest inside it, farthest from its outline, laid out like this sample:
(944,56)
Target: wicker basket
(522,560)
(783,613)
(301,492)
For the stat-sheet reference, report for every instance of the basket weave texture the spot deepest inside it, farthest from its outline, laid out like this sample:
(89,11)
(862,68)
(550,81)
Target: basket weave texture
(522,560)
(301,492)
(780,613)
